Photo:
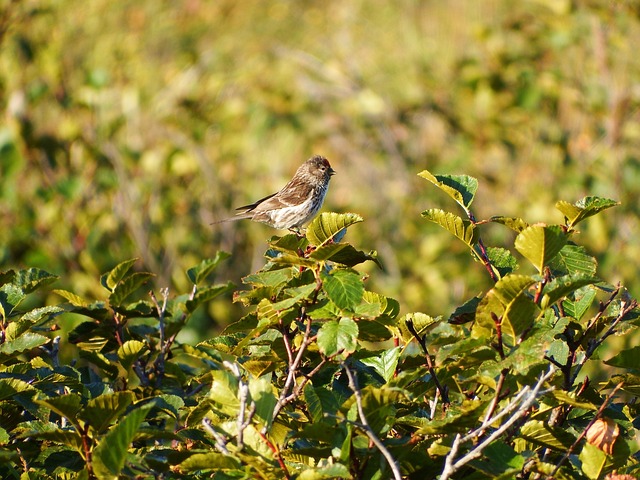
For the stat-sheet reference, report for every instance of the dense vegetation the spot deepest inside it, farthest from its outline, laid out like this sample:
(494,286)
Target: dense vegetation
(494,347)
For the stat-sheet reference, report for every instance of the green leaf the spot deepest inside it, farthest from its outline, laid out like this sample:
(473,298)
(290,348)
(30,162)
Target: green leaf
(262,394)
(509,301)
(338,337)
(578,307)
(314,406)
(539,244)
(462,229)
(200,272)
(542,434)
(628,359)
(66,406)
(514,223)
(104,409)
(344,254)
(111,452)
(420,322)
(385,362)
(573,259)
(270,278)
(334,470)
(10,297)
(344,288)
(32,279)
(130,351)
(127,286)
(209,461)
(462,188)
(326,226)
(110,279)
(12,386)
(502,260)
(72,298)
(584,208)
(562,286)
(24,343)
(593,461)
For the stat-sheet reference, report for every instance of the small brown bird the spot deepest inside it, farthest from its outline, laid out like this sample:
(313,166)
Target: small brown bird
(297,202)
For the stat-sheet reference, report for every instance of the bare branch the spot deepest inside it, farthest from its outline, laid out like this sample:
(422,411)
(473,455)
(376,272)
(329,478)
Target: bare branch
(367,429)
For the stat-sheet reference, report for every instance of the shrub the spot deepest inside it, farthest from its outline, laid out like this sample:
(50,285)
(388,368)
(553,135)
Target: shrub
(324,378)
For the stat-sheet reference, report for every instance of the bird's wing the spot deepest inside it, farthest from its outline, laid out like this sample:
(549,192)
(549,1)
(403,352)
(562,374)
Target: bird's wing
(253,205)
(289,196)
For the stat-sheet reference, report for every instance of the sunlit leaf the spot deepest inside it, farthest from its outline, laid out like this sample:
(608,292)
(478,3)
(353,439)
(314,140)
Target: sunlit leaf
(128,286)
(338,337)
(110,279)
(543,434)
(573,259)
(130,351)
(101,411)
(110,454)
(514,223)
(562,286)
(326,226)
(343,288)
(584,208)
(33,278)
(200,272)
(539,244)
(462,188)
(502,260)
(462,229)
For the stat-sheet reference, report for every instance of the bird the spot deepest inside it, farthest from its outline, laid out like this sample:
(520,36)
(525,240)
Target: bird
(294,204)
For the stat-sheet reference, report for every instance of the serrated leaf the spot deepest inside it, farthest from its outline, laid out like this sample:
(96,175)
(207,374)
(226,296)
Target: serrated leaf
(509,301)
(584,208)
(344,254)
(514,223)
(33,278)
(462,229)
(111,452)
(345,289)
(24,343)
(12,386)
(539,244)
(130,351)
(578,307)
(270,278)
(462,188)
(501,260)
(573,259)
(72,298)
(10,297)
(385,362)
(334,470)
(326,226)
(128,286)
(542,434)
(200,272)
(338,337)
(562,286)
(110,279)
(314,406)
(104,409)
(66,406)
(628,359)
(420,322)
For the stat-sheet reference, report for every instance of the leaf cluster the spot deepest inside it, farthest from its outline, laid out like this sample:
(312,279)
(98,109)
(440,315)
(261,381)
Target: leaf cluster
(323,377)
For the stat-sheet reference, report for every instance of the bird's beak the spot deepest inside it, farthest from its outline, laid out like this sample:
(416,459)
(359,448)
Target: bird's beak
(331,171)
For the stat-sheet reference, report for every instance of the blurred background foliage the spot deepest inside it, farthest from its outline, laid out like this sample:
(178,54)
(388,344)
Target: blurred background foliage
(128,127)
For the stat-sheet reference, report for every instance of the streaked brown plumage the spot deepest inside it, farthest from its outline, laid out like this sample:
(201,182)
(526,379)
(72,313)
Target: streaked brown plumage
(297,202)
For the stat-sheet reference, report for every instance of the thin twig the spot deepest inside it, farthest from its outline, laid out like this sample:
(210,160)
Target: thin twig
(528,396)
(367,428)
(444,394)
(496,398)
(221,441)
(584,432)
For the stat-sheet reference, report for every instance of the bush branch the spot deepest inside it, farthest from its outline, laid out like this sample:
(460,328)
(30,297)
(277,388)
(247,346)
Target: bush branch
(367,428)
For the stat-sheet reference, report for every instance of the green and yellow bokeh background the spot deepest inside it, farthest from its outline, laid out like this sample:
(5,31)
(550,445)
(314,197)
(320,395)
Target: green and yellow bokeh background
(128,127)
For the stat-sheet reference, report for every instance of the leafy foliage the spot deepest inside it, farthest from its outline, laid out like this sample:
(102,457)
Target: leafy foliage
(323,378)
